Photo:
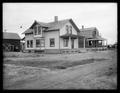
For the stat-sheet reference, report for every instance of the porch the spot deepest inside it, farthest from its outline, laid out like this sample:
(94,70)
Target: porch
(68,41)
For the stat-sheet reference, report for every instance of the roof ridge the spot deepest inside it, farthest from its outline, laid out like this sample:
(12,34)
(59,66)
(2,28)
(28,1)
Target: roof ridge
(88,28)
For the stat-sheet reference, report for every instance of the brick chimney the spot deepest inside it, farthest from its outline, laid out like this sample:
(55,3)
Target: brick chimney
(56,18)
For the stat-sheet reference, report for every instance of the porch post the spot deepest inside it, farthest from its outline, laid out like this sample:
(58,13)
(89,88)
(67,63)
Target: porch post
(84,43)
(69,42)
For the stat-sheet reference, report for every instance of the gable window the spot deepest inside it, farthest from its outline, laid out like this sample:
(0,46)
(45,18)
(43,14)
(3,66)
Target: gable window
(35,28)
(52,42)
(65,42)
(67,29)
(94,33)
(39,30)
(70,29)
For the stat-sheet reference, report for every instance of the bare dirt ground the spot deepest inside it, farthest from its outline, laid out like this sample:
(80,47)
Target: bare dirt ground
(90,70)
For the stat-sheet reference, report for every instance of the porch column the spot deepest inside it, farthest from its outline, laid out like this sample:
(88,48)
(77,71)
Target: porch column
(69,42)
(84,42)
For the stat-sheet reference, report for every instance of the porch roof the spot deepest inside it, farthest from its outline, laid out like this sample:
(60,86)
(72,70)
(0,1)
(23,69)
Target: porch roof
(67,35)
(96,38)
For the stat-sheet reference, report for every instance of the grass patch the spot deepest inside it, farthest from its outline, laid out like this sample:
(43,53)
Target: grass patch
(52,64)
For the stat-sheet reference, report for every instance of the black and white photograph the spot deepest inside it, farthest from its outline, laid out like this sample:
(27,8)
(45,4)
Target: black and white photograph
(59,46)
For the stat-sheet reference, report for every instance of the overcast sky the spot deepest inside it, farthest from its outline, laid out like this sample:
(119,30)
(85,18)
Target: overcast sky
(100,15)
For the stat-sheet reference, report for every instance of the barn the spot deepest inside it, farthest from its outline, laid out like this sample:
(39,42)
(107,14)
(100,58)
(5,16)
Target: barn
(11,42)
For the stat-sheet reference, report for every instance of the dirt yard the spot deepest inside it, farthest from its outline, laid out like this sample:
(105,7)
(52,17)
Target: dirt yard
(90,70)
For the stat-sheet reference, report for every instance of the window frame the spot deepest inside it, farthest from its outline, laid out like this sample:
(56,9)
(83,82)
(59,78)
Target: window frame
(39,30)
(35,30)
(52,45)
(67,29)
(29,44)
(70,31)
(37,44)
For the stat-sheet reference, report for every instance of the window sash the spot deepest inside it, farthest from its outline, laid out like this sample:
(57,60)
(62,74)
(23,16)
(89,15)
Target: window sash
(70,29)
(39,30)
(67,29)
(40,42)
(52,42)
(35,30)
(29,43)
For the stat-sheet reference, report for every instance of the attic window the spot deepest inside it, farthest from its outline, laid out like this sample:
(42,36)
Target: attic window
(35,28)
(70,29)
(67,28)
(39,30)
(94,33)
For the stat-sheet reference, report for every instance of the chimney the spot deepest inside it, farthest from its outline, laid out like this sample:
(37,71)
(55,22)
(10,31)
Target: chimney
(56,18)
(82,27)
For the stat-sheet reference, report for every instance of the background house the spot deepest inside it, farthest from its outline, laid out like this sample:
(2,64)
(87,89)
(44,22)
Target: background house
(11,42)
(90,38)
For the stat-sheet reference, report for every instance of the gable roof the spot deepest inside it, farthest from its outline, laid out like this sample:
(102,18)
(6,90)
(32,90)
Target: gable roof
(9,35)
(87,32)
(52,25)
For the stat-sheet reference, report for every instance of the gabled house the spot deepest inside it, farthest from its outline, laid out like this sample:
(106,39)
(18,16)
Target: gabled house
(90,38)
(51,37)
(11,41)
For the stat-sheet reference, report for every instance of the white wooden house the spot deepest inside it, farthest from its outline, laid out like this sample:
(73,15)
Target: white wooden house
(52,36)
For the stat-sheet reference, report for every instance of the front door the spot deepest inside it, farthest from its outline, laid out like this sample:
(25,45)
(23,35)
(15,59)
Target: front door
(72,43)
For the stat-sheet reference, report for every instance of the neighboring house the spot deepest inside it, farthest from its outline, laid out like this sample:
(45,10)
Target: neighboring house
(90,38)
(11,42)
(53,36)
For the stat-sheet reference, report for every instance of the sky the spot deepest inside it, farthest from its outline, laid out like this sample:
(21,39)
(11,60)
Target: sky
(103,16)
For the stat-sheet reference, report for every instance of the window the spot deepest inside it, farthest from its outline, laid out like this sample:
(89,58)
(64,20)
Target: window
(67,29)
(29,43)
(35,28)
(90,43)
(52,42)
(40,42)
(37,42)
(94,33)
(65,42)
(39,30)
(70,29)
